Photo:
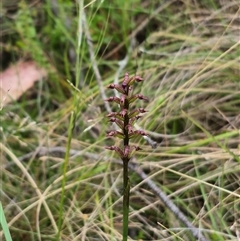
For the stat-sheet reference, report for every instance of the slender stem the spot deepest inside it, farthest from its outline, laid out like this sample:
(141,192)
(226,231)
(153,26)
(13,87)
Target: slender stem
(65,166)
(126,186)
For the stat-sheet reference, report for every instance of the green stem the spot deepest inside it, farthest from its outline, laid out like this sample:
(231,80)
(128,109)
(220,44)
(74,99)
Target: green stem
(126,186)
(65,166)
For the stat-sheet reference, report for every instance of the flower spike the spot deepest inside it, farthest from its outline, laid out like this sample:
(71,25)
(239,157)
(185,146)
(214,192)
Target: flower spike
(126,117)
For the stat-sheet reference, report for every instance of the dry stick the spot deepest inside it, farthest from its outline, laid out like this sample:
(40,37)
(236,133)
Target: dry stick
(175,210)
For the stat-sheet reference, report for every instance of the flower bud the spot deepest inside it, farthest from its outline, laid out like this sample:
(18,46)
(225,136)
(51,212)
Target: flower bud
(115,133)
(119,88)
(125,80)
(123,112)
(142,110)
(137,133)
(115,115)
(126,151)
(118,122)
(114,99)
(141,97)
(133,149)
(138,78)
(116,149)
(135,112)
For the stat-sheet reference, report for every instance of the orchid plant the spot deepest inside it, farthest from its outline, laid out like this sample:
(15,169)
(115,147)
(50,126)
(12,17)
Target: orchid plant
(125,119)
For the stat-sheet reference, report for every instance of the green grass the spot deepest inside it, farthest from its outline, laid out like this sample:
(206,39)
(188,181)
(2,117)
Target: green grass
(188,54)
(4,224)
